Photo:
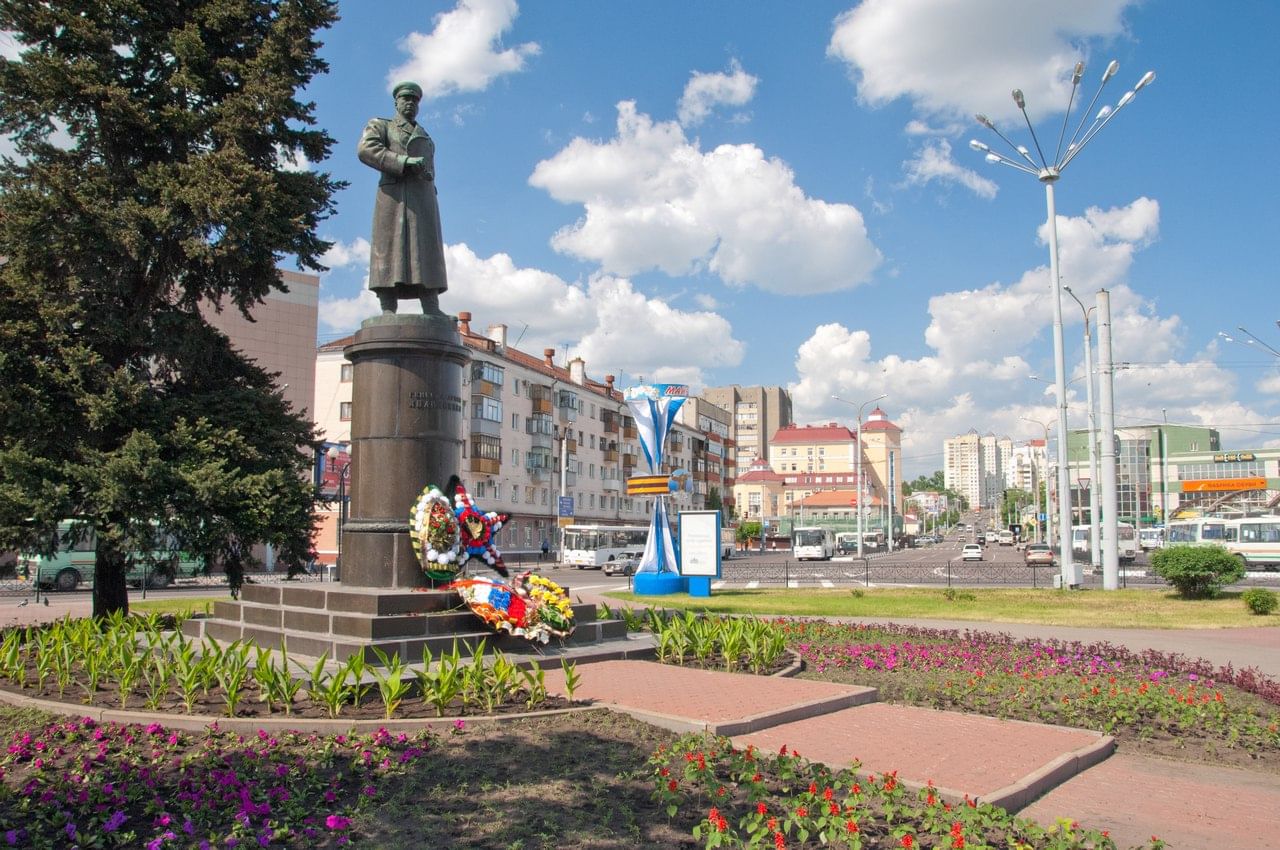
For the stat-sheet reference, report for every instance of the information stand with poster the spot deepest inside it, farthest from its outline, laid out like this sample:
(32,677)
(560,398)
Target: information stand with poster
(699,550)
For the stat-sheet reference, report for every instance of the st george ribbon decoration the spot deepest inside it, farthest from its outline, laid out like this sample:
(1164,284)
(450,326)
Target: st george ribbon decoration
(654,407)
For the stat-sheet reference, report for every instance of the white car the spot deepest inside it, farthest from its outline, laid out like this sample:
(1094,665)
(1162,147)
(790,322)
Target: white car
(971,552)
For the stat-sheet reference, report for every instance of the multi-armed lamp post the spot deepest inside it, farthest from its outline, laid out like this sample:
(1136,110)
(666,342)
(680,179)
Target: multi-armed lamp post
(1047,171)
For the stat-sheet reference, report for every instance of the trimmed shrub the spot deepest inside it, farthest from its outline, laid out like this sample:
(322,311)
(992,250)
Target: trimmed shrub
(1197,572)
(1259,600)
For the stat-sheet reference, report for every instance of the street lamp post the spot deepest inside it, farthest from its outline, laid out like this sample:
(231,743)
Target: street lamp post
(343,475)
(1048,509)
(858,449)
(1047,172)
(1095,539)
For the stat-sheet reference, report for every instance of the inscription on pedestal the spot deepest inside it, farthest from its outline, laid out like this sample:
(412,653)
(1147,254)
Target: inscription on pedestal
(434,401)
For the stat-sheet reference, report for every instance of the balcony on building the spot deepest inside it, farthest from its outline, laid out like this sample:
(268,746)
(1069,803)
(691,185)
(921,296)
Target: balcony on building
(540,398)
(567,405)
(538,464)
(628,462)
(609,420)
(612,485)
(541,430)
(610,450)
(629,428)
(486,416)
(485,455)
(487,379)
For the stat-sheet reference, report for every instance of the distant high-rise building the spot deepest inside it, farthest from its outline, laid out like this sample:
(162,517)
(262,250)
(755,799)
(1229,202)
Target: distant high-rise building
(962,466)
(757,413)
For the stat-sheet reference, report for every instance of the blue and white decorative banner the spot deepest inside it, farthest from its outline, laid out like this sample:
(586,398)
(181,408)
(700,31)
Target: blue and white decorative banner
(654,407)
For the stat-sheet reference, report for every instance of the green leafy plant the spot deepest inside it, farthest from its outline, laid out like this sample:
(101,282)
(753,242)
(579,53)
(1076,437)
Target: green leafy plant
(572,678)
(535,685)
(442,685)
(1260,601)
(1197,572)
(392,684)
(232,672)
(356,667)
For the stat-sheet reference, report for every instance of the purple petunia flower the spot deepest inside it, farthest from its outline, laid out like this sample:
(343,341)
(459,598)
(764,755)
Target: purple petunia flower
(115,821)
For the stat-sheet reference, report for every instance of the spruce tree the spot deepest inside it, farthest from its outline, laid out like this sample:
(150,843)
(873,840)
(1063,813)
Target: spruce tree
(151,178)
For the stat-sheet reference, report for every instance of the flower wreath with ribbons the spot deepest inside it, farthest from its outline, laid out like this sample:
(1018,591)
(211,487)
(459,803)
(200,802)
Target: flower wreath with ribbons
(447,530)
(528,606)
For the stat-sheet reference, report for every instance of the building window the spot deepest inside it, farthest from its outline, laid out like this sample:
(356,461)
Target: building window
(515,457)
(345,374)
(515,493)
(487,372)
(515,422)
(487,408)
(344,411)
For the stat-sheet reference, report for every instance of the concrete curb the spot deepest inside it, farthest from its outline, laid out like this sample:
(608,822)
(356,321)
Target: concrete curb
(1034,785)
(286,723)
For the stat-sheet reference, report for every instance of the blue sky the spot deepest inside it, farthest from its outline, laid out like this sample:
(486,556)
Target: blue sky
(783,193)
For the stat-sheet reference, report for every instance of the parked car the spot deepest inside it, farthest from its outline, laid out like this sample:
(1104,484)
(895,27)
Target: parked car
(622,566)
(1038,554)
(971,552)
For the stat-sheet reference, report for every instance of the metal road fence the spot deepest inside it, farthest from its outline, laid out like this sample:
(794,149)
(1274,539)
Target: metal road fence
(887,570)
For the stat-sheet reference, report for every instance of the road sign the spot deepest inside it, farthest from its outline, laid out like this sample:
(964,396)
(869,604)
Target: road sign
(1043,517)
(564,521)
(566,506)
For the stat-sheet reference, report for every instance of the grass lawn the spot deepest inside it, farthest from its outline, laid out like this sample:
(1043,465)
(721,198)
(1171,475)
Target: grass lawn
(192,605)
(1151,609)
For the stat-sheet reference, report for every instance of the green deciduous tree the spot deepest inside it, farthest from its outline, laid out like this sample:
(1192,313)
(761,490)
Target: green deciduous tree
(150,179)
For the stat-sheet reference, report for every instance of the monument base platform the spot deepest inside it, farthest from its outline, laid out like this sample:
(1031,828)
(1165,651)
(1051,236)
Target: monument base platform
(329,619)
(657,584)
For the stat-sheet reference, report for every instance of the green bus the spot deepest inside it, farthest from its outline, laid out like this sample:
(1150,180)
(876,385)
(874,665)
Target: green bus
(75,561)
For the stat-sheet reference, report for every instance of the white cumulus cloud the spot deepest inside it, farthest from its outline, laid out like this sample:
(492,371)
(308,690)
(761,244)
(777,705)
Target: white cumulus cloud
(954,59)
(652,199)
(613,326)
(705,91)
(934,162)
(464,52)
(341,255)
(987,341)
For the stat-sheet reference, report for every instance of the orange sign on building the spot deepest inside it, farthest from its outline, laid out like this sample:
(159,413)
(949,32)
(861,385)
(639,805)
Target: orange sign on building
(1217,485)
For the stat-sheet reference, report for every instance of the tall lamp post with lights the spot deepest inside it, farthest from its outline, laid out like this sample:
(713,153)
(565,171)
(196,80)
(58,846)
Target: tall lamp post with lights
(858,449)
(1047,172)
(343,475)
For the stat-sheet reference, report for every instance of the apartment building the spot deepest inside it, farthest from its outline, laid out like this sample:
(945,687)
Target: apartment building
(535,430)
(1028,466)
(962,466)
(714,465)
(813,471)
(757,413)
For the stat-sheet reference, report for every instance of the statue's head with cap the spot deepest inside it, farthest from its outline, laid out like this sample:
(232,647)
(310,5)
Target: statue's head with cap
(407,95)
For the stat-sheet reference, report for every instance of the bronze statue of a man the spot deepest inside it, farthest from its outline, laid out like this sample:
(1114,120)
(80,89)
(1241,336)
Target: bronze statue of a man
(407,251)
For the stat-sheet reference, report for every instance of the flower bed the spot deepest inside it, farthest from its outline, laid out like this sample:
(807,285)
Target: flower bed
(752,799)
(1173,704)
(80,783)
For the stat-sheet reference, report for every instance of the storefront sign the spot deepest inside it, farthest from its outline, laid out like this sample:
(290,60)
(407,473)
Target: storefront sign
(1215,485)
(1233,457)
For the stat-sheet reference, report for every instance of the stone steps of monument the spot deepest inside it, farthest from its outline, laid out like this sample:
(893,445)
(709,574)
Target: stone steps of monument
(338,622)
(304,645)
